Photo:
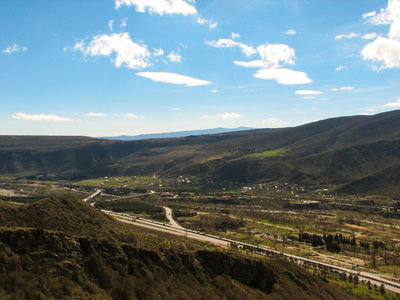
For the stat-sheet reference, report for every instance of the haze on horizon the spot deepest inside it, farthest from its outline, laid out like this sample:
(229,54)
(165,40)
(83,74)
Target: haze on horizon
(130,67)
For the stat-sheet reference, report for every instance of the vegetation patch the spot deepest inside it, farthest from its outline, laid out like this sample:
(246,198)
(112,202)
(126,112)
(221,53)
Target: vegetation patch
(270,153)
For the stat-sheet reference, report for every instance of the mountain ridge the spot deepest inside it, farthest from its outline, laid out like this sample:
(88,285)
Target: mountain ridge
(335,151)
(174,134)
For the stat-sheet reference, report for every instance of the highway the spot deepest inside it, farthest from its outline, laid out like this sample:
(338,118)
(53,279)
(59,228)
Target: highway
(168,228)
(201,236)
(176,229)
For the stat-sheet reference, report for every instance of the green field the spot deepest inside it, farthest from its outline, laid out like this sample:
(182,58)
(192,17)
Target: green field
(270,153)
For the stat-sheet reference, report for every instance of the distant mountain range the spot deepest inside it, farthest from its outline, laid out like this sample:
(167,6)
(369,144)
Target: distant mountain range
(176,134)
(357,154)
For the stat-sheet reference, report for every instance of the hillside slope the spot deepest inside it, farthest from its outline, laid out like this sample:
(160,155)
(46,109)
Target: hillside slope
(334,151)
(42,264)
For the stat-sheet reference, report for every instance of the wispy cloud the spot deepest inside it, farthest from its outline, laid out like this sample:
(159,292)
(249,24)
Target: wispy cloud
(160,7)
(370,14)
(235,35)
(211,24)
(129,115)
(340,68)
(291,32)
(367,36)
(174,57)
(15,48)
(110,24)
(273,122)
(345,88)
(158,52)
(124,22)
(386,15)
(394,104)
(347,36)
(173,78)
(92,114)
(231,115)
(41,117)
(308,92)
(229,43)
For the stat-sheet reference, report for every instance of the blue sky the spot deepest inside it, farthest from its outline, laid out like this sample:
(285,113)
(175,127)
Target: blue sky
(107,68)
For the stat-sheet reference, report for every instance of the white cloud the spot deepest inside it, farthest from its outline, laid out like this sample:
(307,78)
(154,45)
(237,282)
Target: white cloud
(129,115)
(273,122)
(235,35)
(386,16)
(369,36)
(210,23)
(393,104)
(214,91)
(231,115)
(135,56)
(283,76)
(341,68)
(15,48)
(124,22)
(158,52)
(252,64)
(174,57)
(394,32)
(370,14)
(273,54)
(383,50)
(347,36)
(345,88)
(110,24)
(308,92)
(92,114)
(160,7)
(173,78)
(308,97)
(41,117)
(229,43)
(79,46)
(291,32)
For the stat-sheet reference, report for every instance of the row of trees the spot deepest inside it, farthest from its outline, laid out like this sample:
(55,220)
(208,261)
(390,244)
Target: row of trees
(333,242)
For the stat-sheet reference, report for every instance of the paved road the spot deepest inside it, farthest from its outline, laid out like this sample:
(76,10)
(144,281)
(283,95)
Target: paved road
(168,214)
(180,231)
(176,229)
(97,192)
(374,278)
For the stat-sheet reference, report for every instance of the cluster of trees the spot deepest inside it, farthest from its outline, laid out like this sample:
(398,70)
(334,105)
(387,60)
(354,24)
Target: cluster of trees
(314,239)
(331,242)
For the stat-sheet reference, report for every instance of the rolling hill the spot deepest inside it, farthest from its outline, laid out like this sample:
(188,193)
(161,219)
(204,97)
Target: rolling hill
(63,248)
(343,151)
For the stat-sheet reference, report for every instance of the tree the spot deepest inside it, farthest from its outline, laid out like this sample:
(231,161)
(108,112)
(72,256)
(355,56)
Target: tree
(382,289)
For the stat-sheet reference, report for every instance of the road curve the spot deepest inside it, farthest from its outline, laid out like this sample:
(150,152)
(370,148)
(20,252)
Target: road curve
(168,214)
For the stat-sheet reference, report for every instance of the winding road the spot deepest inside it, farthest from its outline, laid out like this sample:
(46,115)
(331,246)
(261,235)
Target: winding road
(176,229)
